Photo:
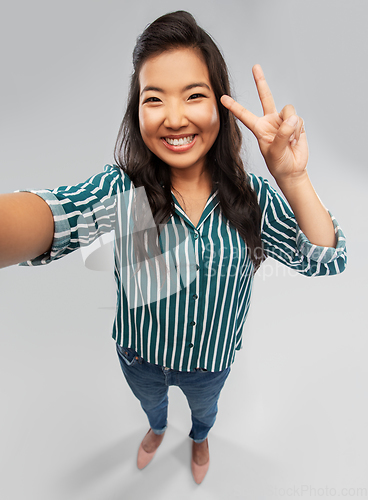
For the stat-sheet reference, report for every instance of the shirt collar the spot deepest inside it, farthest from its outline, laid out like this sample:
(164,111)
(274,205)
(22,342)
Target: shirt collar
(210,206)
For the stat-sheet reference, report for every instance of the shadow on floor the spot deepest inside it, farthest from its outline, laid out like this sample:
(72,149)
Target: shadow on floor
(234,472)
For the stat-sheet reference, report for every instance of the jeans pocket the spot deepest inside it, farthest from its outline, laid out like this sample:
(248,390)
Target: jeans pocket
(128,355)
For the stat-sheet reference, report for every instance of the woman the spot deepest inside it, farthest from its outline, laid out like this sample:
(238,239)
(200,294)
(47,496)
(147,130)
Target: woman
(191,227)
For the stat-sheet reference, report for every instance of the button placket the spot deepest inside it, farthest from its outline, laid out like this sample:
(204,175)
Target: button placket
(192,338)
(193,312)
(197,298)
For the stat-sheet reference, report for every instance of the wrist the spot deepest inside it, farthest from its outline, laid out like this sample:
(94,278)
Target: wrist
(293,181)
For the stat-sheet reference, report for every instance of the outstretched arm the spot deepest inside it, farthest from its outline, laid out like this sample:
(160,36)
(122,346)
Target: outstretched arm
(26,227)
(283,144)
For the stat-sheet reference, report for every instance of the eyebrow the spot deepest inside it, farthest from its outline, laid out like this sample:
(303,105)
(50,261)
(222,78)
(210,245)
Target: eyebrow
(188,87)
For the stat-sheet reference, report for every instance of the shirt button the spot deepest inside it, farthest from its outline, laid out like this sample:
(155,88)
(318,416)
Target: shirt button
(196,236)
(192,323)
(190,345)
(197,267)
(195,296)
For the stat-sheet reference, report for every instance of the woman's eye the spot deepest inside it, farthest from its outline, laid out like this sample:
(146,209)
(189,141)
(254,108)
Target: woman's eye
(196,96)
(152,99)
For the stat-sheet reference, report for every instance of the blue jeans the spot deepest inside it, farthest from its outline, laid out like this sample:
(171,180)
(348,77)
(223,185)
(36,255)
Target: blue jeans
(150,384)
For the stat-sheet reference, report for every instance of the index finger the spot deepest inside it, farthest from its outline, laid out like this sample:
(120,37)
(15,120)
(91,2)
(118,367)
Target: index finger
(264,92)
(245,116)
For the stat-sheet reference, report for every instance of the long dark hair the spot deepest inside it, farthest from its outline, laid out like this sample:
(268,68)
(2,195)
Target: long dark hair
(237,199)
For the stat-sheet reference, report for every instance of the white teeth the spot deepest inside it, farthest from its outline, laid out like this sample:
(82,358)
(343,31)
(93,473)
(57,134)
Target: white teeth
(181,141)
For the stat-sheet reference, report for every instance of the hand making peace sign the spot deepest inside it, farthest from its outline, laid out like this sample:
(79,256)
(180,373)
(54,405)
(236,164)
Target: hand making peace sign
(281,136)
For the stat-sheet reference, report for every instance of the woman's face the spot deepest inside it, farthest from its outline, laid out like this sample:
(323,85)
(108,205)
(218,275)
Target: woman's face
(178,115)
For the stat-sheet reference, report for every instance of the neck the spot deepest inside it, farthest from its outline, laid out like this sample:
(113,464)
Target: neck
(190,179)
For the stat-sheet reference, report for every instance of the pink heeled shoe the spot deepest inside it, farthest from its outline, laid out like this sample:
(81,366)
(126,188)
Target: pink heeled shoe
(144,458)
(199,471)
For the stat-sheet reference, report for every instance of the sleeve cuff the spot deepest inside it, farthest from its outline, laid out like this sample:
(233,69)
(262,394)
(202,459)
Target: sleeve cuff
(61,230)
(324,255)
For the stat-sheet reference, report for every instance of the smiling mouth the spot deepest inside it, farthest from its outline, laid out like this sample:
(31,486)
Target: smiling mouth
(179,142)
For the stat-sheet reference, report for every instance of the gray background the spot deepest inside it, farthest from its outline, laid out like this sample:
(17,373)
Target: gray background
(293,413)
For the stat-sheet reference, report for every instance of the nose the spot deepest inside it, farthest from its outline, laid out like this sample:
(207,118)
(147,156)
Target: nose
(175,116)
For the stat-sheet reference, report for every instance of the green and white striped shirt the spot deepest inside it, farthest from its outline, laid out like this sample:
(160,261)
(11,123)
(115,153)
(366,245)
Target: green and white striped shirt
(193,314)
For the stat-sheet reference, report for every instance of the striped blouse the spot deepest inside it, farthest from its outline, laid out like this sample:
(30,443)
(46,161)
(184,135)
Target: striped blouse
(185,306)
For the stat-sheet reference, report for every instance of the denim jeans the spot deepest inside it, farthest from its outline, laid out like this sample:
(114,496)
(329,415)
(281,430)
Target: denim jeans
(150,384)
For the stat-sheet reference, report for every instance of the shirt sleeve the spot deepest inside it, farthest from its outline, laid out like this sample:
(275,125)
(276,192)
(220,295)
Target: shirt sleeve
(283,239)
(82,212)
